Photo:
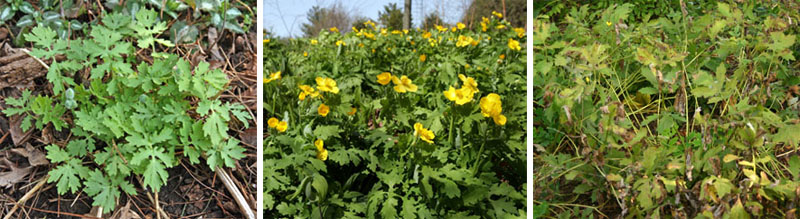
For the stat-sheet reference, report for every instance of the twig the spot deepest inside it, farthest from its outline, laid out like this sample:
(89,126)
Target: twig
(27,196)
(237,195)
(34,57)
(159,212)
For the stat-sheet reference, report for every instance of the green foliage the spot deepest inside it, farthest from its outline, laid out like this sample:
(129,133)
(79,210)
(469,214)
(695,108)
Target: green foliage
(361,158)
(132,119)
(675,115)
(391,17)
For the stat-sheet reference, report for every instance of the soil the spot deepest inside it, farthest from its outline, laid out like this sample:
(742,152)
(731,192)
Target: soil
(192,191)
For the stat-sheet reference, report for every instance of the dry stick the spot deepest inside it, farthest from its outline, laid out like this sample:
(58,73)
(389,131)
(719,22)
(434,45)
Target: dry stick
(160,213)
(27,196)
(237,195)
(34,57)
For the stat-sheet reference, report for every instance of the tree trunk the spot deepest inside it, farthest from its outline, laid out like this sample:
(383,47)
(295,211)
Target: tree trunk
(407,15)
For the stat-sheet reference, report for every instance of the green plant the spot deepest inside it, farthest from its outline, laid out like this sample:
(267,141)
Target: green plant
(128,121)
(45,13)
(688,115)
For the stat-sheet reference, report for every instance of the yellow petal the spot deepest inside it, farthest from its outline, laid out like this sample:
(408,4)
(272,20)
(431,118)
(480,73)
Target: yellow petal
(319,144)
(282,126)
(272,122)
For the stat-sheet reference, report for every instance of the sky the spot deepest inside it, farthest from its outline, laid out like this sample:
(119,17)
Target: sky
(285,17)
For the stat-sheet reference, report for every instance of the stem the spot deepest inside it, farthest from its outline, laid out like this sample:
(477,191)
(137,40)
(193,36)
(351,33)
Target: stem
(480,152)
(450,135)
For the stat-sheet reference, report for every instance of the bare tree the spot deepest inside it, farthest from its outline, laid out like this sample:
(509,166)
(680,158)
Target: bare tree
(323,18)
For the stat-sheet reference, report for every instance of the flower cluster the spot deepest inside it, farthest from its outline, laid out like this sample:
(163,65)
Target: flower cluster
(278,125)
(464,94)
(401,85)
(323,85)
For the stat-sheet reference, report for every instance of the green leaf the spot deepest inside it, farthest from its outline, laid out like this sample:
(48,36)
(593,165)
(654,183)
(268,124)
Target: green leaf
(326,131)
(67,175)
(320,184)
(788,134)
(737,211)
(102,191)
(780,41)
(450,188)
(55,154)
(42,37)
(226,155)
(155,175)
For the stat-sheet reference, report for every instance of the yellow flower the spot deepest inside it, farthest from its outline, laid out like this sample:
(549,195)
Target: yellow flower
(460,96)
(423,57)
(426,35)
(520,32)
(496,14)
(403,84)
(340,43)
(502,56)
(373,50)
(513,44)
(423,133)
(314,42)
(461,26)
(500,27)
(282,125)
(453,29)
(384,78)
(499,119)
(305,54)
(272,122)
(327,85)
(492,106)
(334,29)
(323,110)
(469,83)
(441,29)
(466,66)
(266,41)
(483,27)
(608,23)
(464,41)
(369,22)
(273,76)
(307,90)
(384,31)
(322,153)
(397,32)
(361,45)
(405,31)
(369,35)
(353,111)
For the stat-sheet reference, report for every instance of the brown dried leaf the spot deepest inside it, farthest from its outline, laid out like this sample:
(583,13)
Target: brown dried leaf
(16,175)
(35,156)
(17,135)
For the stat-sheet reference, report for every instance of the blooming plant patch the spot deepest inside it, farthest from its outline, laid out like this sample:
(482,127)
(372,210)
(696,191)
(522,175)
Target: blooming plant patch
(396,123)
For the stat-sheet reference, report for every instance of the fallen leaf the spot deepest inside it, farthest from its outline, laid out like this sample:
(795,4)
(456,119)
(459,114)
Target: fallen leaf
(17,135)
(126,213)
(249,136)
(35,156)
(16,175)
